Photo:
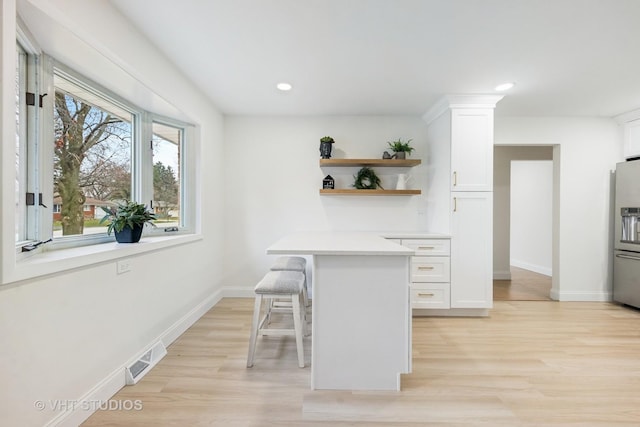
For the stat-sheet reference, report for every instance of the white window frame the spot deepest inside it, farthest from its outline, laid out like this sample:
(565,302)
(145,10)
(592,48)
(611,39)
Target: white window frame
(97,90)
(31,162)
(141,165)
(57,257)
(187,217)
(22,151)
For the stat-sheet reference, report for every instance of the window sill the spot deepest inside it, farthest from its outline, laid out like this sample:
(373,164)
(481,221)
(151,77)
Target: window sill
(50,262)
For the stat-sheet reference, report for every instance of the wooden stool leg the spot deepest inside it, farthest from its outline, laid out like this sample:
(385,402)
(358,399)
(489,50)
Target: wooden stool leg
(298,327)
(254,330)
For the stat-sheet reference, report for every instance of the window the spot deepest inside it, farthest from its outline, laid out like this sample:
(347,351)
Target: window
(167,143)
(92,155)
(94,151)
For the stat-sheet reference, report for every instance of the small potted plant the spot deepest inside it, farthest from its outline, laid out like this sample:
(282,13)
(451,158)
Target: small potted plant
(127,220)
(401,148)
(325,147)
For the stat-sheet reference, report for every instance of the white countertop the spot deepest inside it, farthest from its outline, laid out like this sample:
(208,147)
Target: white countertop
(411,235)
(337,243)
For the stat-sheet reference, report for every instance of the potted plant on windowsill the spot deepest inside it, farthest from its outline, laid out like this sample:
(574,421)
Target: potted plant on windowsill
(401,148)
(127,220)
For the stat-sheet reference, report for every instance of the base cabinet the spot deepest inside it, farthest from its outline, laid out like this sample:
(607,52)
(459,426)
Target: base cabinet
(471,250)
(430,295)
(430,272)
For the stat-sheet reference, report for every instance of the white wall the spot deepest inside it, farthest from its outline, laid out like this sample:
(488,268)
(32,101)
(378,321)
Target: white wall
(531,202)
(273,177)
(67,335)
(585,151)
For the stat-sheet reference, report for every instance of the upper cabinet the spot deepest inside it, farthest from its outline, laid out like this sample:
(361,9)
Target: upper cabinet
(630,123)
(632,139)
(471,149)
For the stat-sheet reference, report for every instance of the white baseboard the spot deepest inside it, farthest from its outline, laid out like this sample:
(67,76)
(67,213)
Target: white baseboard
(184,323)
(501,275)
(109,386)
(236,292)
(581,296)
(532,267)
(89,403)
(452,312)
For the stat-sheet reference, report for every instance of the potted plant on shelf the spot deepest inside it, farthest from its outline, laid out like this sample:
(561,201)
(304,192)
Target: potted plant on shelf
(401,148)
(127,220)
(325,147)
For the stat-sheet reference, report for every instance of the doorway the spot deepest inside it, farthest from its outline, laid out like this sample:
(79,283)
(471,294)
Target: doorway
(523,200)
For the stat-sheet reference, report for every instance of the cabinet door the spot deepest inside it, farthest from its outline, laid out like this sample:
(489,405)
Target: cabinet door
(472,149)
(632,139)
(472,250)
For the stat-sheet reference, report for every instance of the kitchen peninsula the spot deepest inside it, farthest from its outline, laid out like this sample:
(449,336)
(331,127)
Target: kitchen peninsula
(361,322)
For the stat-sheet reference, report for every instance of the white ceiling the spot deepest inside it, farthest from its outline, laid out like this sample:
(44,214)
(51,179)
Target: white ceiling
(567,57)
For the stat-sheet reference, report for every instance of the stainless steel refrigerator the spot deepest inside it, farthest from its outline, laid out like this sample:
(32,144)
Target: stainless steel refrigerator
(626,260)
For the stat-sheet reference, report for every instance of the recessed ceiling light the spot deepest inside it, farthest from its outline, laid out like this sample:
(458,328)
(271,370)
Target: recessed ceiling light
(284,86)
(504,86)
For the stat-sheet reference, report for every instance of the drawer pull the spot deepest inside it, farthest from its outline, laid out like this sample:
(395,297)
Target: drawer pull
(426,294)
(425,268)
(424,248)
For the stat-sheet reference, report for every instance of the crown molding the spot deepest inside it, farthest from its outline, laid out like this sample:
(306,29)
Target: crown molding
(448,102)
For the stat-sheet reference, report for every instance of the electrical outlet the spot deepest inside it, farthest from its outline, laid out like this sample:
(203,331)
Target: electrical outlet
(123,266)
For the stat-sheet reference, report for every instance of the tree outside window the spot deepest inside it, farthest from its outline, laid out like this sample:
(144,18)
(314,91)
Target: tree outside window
(92,155)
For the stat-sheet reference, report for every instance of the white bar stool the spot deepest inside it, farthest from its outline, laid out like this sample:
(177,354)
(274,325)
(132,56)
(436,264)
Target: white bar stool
(280,285)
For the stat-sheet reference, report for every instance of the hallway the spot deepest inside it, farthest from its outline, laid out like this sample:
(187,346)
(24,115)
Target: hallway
(524,285)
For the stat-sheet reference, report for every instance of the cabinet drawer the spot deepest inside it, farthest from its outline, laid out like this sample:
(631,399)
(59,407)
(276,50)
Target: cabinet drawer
(428,247)
(430,296)
(430,269)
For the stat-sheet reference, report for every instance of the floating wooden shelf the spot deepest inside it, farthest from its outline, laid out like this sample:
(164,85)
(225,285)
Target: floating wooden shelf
(371,162)
(355,192)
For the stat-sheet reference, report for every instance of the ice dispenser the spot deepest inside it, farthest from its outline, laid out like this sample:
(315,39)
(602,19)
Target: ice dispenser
(630,225)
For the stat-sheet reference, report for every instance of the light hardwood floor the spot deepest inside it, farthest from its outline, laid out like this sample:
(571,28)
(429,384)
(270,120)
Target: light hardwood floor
(524,285)
(531,363)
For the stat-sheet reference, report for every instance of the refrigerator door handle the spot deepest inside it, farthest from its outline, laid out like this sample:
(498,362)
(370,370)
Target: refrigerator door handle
(628,257)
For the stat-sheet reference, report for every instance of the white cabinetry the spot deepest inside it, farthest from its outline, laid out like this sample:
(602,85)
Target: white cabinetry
(460,138)
(632,139)
(630,123)
(430,272)
(472,149)
(471,250)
